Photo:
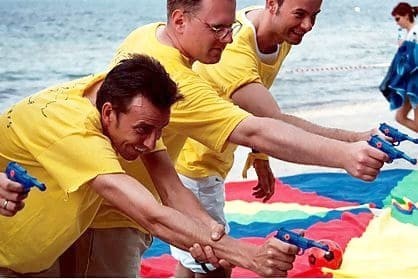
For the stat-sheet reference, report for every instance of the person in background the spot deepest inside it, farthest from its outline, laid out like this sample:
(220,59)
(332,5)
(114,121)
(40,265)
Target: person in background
(404,14)
(243,76)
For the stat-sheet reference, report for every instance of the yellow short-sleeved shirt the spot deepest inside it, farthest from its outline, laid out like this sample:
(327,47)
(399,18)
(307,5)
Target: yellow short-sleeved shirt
(240,64)
(202,115)
(53,134)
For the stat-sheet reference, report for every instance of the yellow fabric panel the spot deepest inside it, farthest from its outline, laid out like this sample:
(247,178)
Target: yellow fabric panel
(240,65)
(385,250)
(252,208)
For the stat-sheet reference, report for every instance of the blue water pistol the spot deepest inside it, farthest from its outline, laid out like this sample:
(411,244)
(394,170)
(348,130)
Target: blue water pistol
(396,135)
(388,148)
(18,174)
(302,242)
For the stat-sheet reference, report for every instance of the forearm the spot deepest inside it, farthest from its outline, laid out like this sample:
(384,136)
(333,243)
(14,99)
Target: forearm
(166,223)
(257,100)
(287,142)
(180,233)
(235,252)
(333,133)
(295,140)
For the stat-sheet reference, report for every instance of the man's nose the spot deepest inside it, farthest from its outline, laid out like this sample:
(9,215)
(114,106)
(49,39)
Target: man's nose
(307,24)
(228,38)
(150,141)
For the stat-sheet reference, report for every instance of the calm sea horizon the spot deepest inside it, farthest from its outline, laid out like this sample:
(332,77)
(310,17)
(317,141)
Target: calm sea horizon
(342,60)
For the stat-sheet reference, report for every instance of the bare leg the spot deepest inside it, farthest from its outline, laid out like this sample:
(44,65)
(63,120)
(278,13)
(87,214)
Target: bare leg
(402,113)
(415,120)
(402,117)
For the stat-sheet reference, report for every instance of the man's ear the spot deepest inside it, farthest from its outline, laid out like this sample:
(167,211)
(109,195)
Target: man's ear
(272,6)
(107,114)
(178,20)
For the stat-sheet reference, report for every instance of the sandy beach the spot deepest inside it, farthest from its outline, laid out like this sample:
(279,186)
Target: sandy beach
(357,117)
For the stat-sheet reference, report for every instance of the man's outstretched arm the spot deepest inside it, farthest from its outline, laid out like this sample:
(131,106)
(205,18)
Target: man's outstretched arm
(272,259)
(290,143)
(257,99)
(172,191)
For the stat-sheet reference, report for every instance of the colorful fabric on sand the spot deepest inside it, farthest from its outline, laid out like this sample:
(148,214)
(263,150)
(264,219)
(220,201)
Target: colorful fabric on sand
(375,224)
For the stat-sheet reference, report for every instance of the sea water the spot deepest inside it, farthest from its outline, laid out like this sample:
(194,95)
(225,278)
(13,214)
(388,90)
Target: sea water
(341,61)
(336,69)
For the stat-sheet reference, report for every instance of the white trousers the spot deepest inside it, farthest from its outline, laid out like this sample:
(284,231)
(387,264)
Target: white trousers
(210,191)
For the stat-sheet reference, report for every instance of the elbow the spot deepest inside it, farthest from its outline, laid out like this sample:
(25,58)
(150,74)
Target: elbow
(249,132)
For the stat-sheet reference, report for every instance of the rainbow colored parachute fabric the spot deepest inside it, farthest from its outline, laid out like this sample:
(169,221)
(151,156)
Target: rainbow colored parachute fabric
(376,224)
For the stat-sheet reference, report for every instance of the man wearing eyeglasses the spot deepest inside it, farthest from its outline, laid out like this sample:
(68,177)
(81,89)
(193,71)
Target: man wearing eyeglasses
(199,30)
(247,69)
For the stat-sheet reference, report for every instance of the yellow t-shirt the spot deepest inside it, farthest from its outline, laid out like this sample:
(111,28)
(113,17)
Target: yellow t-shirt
(202,115)
(240,64)
(54,134)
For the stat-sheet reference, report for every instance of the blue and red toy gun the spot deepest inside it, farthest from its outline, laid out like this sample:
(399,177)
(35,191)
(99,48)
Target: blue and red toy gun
(396,135)
(302,242)
(388,148)
(17,173)
(324,253)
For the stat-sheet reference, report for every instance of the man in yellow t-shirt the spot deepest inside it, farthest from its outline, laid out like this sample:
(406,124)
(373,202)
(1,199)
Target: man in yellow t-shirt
(78,138)
(85,148)
(243,76)
(199,31)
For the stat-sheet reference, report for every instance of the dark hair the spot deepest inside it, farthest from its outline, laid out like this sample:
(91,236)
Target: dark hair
(404,9)
(137,75)
(187,5)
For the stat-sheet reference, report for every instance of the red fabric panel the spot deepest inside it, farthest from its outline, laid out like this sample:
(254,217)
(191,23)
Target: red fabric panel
(340,231)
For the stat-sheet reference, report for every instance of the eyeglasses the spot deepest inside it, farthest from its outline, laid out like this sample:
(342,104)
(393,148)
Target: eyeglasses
(397,19)
(221,32)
